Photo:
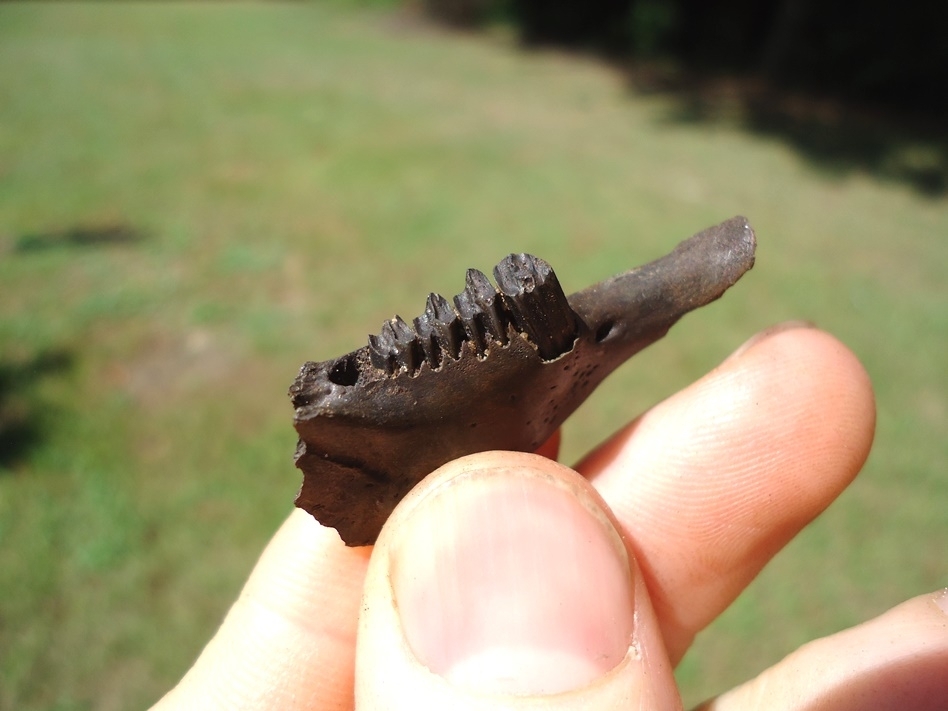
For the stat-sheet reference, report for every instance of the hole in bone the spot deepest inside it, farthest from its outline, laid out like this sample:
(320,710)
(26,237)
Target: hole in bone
(344,371)
(603,332)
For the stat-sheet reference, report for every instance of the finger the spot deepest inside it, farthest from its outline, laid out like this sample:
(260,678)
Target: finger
(502,580)
(711,483)
(894,662)
(289,640)
(551,448)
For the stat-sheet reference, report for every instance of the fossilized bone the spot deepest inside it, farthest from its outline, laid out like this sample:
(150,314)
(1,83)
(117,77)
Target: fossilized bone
(499,369)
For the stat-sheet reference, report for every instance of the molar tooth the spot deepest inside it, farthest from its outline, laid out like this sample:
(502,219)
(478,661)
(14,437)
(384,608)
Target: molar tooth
(382,349)
(468,310)
(439,308)
(407,349)
(491,304)
(446,324)
(537,304)
(428,337)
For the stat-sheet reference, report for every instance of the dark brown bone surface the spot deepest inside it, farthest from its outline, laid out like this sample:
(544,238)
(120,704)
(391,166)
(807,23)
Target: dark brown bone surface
(499,369)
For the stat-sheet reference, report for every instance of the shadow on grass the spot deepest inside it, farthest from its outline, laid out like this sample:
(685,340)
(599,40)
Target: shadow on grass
(835,136)
(23,417)
(78,237)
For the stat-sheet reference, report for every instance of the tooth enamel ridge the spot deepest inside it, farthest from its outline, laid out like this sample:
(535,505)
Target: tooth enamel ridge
(529,300)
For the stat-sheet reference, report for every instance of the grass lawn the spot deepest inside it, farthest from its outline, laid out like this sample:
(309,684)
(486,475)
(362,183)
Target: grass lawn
(191,197)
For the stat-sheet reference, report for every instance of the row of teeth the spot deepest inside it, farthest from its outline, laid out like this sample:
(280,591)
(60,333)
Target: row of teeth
(528,297)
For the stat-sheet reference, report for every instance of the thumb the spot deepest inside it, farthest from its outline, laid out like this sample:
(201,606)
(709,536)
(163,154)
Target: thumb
(501,582)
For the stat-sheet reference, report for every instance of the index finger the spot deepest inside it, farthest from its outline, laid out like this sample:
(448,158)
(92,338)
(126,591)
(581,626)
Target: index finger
(711,483)
(289,640)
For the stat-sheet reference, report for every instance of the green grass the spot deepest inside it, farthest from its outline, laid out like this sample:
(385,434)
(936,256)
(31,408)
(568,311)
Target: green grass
(253,165)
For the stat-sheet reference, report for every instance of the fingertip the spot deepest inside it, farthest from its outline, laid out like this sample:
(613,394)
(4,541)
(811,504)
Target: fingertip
(712,482)
(812,371)
(895,661)
(499,580)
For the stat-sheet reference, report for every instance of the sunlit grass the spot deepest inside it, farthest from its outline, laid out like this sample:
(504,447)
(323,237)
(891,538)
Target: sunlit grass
(295,174)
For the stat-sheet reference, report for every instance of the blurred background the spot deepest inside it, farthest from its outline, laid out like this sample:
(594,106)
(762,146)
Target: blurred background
(195,199)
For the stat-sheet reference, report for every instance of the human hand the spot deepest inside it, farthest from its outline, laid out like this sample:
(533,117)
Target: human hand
(507,581)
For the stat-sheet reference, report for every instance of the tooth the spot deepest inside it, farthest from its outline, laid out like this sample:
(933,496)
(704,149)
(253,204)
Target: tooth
(382,349)
(469,311)
(428,336)
(446,324)
(440,330)
(537,303)
(407,349)
(491,305)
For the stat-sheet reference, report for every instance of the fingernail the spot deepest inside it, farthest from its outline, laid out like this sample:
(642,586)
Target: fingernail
(941,599)
(513,580)
(768,333)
